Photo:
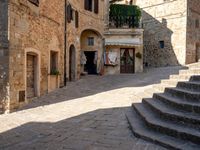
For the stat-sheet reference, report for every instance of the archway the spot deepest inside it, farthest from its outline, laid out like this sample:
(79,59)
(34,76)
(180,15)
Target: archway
(91,51)
(72,63)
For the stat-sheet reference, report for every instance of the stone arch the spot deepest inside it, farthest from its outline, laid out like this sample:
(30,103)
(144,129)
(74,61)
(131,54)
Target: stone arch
(72,63)
(93,30)
(93,53)
(32,59)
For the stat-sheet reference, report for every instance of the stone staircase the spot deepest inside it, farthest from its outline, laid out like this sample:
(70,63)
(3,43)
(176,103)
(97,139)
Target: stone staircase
(169,115)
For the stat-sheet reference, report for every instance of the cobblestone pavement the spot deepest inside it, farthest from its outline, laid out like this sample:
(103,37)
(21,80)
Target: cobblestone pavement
(86,115)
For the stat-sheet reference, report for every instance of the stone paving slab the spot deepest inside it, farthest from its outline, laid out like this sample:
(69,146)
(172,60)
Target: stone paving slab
(86,115)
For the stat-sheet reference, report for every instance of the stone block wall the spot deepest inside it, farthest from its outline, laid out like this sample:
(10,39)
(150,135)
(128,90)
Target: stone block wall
(34,30)
(88,21)
(4,59)
(164,22)
(193,31)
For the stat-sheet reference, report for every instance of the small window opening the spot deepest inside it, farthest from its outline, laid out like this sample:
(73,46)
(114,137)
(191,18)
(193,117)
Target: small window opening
(162,44)
(53,62)
(90,41)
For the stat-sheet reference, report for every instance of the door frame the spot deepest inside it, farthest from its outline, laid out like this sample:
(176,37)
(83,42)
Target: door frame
(37,64)
(133,60)
(95,55)
(72,63)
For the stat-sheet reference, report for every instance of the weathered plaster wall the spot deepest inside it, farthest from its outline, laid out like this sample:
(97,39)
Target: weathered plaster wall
(164,21)
(116,69)
(129,34)
(87,20)
(37,28)
(193,32)
(4,59)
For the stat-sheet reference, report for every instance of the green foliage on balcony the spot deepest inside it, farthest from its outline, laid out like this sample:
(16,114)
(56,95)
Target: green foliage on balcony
(122,13)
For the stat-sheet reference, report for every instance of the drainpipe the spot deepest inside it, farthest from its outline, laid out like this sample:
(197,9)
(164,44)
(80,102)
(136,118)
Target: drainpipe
(65,45)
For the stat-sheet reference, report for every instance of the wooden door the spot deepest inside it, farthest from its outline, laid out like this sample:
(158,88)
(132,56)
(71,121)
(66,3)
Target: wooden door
(127,63)
(30,76)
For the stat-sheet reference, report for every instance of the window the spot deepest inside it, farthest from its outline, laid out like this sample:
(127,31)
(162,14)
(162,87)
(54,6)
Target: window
(76,19)
(96,6)
(90,41)
(88,5)
(35,2)
(53,62)
(92,5)
(162,44)
(197,23)
(69,13)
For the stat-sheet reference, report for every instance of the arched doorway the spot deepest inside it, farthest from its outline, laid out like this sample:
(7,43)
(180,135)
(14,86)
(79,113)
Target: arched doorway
(72,63)
(91,51)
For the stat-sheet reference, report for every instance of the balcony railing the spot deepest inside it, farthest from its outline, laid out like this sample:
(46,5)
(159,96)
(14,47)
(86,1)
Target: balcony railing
(123,22)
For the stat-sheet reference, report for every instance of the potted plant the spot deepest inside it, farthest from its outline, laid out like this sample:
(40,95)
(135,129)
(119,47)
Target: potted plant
(54,80)
(138,55)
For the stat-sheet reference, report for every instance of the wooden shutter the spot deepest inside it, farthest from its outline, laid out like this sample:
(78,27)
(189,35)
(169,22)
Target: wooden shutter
(86,5)
(96,6)
(69,13)
(76,19)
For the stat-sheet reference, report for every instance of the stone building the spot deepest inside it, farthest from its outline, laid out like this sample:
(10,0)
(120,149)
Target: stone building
(44,44)
(85,29)
(171,31)
(123,42)
(31,50)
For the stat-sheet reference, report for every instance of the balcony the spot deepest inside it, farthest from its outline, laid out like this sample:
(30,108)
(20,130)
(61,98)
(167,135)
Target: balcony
(124,16)
(123,22)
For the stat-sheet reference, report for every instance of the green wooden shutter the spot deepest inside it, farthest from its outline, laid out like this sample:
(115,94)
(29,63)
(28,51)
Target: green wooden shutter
(96,6)
(76,19)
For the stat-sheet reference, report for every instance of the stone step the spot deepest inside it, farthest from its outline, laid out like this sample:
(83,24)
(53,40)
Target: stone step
(193,71)
(151,91)
(140,130)
(171,82)
(139,96)
(193,65)
(178,103)
(179,77)
(153,121)
(169,113)
(195,78)
(191,86)
(184,94)
(161,87)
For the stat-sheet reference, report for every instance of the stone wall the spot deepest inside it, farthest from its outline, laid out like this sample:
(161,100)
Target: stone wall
(164,21)
(193,31)
(4,59)
(37,31)
(88,21)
